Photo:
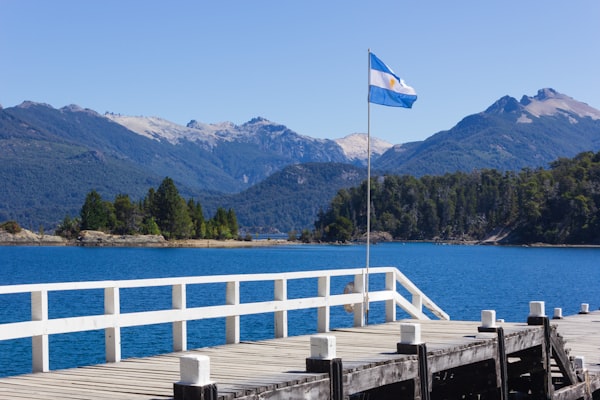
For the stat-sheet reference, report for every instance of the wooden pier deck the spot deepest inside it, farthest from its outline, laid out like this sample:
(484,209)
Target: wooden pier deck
(461,362)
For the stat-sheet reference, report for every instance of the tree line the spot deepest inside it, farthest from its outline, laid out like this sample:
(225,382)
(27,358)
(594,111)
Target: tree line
(559,205)
(162,212)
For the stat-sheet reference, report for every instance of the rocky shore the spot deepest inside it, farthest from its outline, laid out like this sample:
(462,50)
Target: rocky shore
(101,239)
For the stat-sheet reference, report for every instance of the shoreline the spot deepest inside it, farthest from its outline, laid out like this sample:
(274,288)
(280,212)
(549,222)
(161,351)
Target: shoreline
(27,238)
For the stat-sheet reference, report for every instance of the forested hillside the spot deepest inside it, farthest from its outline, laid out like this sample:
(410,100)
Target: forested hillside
(556,205)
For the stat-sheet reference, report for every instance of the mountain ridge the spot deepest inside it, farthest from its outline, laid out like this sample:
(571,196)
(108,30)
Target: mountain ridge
(50,158)
(508,135)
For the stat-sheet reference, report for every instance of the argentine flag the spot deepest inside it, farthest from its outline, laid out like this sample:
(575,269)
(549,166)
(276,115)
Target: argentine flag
(387,88)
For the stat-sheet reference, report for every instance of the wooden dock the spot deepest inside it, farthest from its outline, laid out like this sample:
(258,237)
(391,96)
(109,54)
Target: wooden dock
(530,361)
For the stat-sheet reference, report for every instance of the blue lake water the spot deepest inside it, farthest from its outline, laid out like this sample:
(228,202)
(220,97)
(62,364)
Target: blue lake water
(462,280)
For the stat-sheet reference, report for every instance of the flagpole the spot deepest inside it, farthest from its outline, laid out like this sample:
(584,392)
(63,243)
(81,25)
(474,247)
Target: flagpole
(368,256)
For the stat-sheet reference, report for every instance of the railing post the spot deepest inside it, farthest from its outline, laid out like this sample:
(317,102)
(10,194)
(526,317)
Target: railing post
(281,327)
(112,335)
(39,344)
(390,305)
(232,323)
(323,313)
(178,301)
(359,308)
(417,301)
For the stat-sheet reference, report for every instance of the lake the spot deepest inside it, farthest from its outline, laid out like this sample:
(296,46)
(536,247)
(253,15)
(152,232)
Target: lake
(462,280)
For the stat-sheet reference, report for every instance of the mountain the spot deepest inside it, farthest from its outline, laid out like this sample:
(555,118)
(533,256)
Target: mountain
(508,135)
(290,198)
(51,158)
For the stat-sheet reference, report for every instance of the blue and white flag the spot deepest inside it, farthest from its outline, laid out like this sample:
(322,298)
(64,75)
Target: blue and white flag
(387,88)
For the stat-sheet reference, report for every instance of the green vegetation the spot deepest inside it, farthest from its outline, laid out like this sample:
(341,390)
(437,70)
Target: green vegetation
(161,212)
(10,227)
(556,206)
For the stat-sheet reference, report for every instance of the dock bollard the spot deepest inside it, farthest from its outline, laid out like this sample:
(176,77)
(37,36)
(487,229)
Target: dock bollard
(323,360)
(558,313)
(410,335)
(585,308)
(488,321)
(195,383)
(411,343)
(537,313)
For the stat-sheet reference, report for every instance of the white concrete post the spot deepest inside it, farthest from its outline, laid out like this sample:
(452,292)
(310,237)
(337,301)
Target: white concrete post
(323,347)
(194,370)
(585,308)
(359,308)
(232,323)
(410,334)
(488,318)
(195,380)
(390,305)
(39,344)
(558,313)
(281,327)
(112,335)
(537,309)
(178,301)
(323,313)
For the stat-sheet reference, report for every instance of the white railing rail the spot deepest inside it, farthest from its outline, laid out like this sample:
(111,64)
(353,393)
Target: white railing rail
(40,326)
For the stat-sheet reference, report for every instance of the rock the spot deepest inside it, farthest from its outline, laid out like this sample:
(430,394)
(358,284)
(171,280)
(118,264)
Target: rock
(28,238)
(97,238)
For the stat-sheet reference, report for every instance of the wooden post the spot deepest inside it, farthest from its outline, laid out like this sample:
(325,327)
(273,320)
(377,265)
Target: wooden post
(178,301)
(323,313)
(359,308)
(390,305)
(281,328)
(323,360)
(39,344)
(410,343)
(542,381)
(488,324)
(417,301)
(112,335)
(232,323)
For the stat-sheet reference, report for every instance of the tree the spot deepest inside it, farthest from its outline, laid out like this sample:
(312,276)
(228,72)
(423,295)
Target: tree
(340,230)
(149,226)
(11,227)
(68,228)
(124,215)
(171,212)
(221,225)
(94,214)
(198,222)
(232,223)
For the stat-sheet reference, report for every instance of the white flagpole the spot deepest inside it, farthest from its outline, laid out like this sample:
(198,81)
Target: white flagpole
(366,283)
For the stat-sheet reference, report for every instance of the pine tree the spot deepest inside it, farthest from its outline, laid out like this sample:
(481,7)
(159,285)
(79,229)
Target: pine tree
(94,215)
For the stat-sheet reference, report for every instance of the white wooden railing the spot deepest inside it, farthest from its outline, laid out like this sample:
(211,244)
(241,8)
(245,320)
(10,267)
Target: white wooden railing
(40,326)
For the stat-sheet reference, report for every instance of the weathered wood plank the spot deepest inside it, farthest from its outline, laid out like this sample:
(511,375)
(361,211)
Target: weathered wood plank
(275,369)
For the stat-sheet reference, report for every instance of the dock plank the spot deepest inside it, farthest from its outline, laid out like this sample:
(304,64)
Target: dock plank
(250,369)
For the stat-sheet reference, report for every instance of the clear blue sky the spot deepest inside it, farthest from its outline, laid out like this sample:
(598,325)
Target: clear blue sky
(299,63)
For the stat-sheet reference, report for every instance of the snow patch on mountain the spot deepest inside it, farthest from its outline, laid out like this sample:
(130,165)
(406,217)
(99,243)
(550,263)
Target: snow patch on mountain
(549,102)
(160,129)
(355,146)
